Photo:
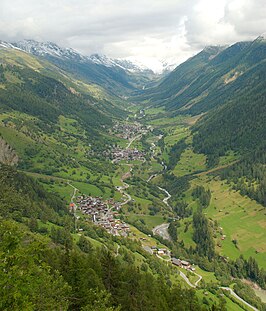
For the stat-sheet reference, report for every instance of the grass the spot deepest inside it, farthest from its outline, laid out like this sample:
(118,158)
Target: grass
(17,140)
(261,293)
(211,298)
(63,189)
(87,189)
(145,170)
(166,121)
(175,134)
(150,221)
(154,111)
(241,219)
(136,235)
(207,276)
(186,236)
(190,162)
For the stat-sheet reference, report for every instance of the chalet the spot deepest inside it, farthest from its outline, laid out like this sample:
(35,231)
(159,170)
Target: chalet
(182,264)
(176,262)
(162,251)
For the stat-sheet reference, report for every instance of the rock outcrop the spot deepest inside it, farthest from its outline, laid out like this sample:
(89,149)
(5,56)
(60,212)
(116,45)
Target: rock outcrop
(7,154)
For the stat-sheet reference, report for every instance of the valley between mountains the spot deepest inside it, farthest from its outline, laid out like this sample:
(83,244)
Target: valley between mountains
(115,196)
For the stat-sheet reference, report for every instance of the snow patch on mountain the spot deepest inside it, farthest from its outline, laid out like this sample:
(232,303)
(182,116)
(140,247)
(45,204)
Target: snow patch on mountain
(124,64)
(8,45)
(168,66)
(47,49)
(51,49)
(262,36)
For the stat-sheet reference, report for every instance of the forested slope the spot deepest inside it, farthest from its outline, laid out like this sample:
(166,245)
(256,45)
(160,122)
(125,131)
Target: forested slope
(45,269)
(211,78)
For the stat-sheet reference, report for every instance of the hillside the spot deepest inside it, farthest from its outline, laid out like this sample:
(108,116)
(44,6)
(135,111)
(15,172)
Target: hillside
(116,76)
(210,78)
(226,86)
(46,266)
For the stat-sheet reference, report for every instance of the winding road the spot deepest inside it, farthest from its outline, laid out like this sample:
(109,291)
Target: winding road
(124,193)
(239,298)
(72,201)
(165,200)
(186,279)
(132,140)
(200,278)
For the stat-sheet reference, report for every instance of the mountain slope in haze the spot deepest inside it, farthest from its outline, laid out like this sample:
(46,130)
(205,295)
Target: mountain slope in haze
(115,75)
(181,77)
(197,85)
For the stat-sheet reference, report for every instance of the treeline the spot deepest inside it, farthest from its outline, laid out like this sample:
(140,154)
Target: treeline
(204,254)
(202,236)
(204,196)
(249,175)
(22,196)
(175,153)
(246,293)
(47,98)
(237,125)
(175,185)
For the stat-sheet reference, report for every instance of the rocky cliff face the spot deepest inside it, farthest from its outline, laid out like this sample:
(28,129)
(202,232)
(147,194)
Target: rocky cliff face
(7,154)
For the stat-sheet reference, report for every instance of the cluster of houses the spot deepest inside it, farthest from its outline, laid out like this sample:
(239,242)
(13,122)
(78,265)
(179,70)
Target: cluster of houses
(182,264)
(119,154)
(114,226)
(155,250)
(128,131)
(103,214)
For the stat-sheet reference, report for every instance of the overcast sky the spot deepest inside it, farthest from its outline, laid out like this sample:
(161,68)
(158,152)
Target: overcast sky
(144,29)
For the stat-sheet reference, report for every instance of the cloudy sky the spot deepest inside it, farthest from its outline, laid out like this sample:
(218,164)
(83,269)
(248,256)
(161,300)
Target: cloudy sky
(148,30)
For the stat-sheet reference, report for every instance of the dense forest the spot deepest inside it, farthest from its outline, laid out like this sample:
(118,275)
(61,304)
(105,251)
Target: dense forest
(249,175)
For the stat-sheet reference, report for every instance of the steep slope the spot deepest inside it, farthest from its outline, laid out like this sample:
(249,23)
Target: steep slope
(115,75)
(50,119)
(181,78)
(46,265)
(26,90)
(210,78)
(7,154)
(239,124)
(95,94)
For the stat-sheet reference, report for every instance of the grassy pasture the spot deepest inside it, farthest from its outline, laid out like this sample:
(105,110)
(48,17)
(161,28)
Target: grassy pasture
(240,218)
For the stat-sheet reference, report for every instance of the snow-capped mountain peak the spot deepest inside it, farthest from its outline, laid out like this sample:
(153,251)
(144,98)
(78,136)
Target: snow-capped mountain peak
(262,36)
(47,49)
(124,64)
(7,45)
(50,49)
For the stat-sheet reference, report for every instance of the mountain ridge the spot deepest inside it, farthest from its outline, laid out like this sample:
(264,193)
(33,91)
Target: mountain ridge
(199,78)
(52,49)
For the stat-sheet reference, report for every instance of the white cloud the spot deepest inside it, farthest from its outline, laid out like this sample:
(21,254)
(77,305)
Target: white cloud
(144,29)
